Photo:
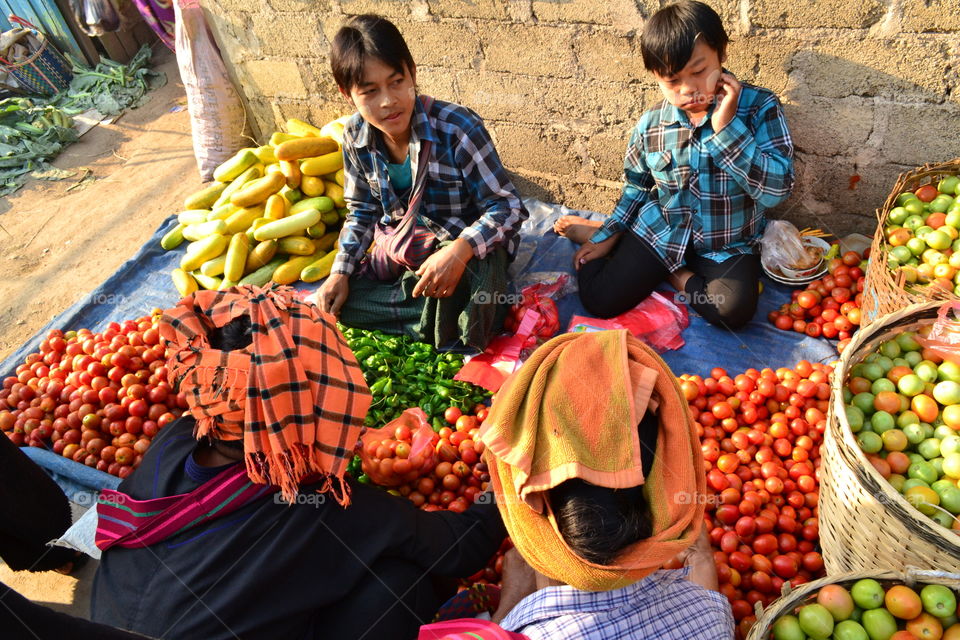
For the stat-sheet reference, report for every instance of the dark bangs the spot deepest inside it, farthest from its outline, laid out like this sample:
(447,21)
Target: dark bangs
(671,33)
(364,37)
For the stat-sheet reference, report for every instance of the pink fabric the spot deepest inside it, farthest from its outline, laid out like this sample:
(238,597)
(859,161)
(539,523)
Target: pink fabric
(467,629)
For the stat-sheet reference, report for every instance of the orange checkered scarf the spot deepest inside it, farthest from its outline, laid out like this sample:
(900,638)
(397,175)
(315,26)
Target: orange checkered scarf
(295,396)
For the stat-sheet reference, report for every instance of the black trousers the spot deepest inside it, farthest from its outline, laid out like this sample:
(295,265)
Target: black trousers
(33,511)
(22,619)
(724,293)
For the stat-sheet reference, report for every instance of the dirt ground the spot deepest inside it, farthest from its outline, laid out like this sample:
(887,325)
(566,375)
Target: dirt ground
(59,240)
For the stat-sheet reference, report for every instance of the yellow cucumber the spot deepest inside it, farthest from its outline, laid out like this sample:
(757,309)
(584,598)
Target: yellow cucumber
(335,193)
(288,226)
(242,219)
(276,207)
(301,128)
(194,232)
(240,162)
(210,283)
(223,212)
(279,138)
(205,197)
(261,255)
(317,230)
(250,174)
(214,267)
(327,241)
(227,284)
(262,275)
(289,271)
(296,246)
(291,195)
(291,171)
(257,191)
(265,154)
(318,269)
(172,239)
(236,257)
(338,177)
(329,218)
(321,204)
(306,148)
(193,216)
(184,282)
(311,186)
(334,129)
(202,250)
(322,165)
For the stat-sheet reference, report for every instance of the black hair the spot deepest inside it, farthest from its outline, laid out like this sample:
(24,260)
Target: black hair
(234,335)
(598,522)
(363,37)
(671,33)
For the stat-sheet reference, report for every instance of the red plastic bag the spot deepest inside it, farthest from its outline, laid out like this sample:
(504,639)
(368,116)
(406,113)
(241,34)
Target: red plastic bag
(539,308)
(401,451)
(943,337)
(658,321)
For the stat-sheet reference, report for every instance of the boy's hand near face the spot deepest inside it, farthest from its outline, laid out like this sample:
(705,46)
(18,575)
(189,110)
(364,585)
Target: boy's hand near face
(727,97)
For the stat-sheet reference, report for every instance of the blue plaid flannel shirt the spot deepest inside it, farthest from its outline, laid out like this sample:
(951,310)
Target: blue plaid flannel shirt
(685,182)
(468,194)
(662,606)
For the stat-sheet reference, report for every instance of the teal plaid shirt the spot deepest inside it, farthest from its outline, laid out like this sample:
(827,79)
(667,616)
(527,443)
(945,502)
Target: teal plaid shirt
(468,193)
(685,183)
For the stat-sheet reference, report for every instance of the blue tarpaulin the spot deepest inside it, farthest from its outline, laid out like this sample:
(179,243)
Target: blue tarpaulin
(143,283)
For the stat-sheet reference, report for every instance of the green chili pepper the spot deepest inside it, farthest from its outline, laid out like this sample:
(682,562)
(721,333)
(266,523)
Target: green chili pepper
(377,387)
(364,478)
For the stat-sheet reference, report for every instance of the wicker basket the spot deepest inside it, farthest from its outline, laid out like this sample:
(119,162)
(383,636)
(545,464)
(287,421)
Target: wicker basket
(885,292)
(806,593)
(864,522)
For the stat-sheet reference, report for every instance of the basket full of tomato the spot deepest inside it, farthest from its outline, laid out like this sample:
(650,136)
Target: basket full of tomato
(889,496)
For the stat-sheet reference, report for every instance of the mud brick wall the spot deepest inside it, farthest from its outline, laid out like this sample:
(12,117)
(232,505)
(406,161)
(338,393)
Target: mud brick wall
(870,87)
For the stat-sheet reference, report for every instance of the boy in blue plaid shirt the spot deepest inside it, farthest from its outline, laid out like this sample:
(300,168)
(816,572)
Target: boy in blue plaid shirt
(700,170)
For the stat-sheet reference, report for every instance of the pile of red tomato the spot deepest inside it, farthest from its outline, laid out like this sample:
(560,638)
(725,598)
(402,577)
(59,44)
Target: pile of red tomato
(829,306)
(760,435)
(96,398)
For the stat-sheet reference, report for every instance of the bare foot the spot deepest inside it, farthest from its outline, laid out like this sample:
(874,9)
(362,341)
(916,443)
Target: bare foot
(576,228)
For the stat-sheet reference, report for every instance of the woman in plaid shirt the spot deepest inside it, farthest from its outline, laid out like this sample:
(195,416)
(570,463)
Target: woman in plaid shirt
(701,169)
(429,163)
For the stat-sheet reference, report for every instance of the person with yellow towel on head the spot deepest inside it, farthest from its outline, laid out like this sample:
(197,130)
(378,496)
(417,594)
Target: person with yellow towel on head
(599,479)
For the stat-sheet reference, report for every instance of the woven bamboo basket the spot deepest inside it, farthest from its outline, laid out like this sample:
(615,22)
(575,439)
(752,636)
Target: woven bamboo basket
(884,291)
(807,593)
(864,522)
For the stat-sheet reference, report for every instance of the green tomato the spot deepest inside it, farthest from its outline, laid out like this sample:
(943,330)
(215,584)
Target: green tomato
(879,623)
(869,441)
(885,362)
(948,185)
(927,371)
(922,232)
(929,449)
(890,348)
(898,215)
(914,433)
(943,483)
(868,594)
(854,418)
(948,370)
(950,445)
(916,246)
(873,371)
(910,385)
(928,430)
(923,471)
(882,421)
(941,203)
(947,392)
(907,417)
(913,358)
(943,519)
(950,499)
(864,402)
(900,362)
(847,395)
(882,384)
(906,197)
(942,431)
(938,240)
(937,464)
(938,600)
(788,628)
(816,621)
(951,465)
(850,630)
(916,210)
(897,481)
(910,483)
(953,217)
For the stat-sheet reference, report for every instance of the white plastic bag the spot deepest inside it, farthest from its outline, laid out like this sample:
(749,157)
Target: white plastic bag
(217,116)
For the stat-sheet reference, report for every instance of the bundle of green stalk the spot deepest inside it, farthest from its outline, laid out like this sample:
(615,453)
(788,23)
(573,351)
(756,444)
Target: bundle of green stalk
(403,373)
(33,131)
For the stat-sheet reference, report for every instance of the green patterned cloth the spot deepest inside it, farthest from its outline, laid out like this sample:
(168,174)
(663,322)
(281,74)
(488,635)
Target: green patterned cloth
(469,318)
